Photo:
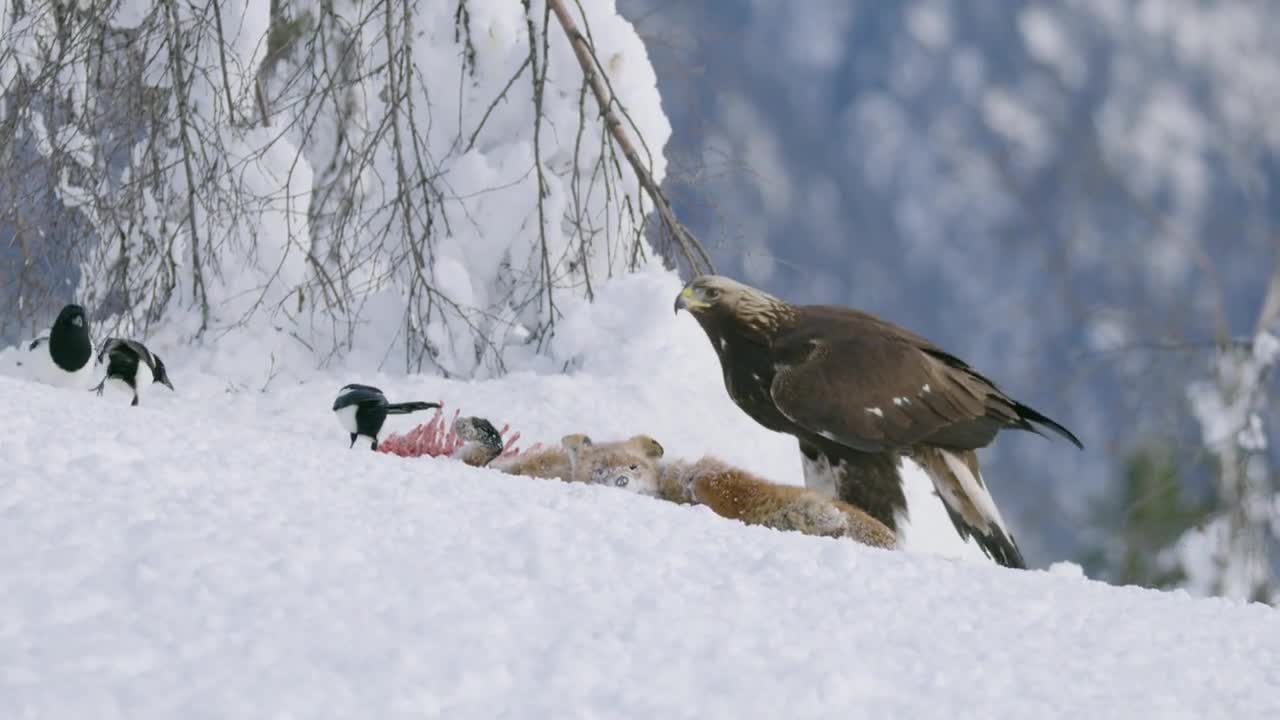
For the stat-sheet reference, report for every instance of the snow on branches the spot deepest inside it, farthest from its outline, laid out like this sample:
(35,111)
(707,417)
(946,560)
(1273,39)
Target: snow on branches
(420,180)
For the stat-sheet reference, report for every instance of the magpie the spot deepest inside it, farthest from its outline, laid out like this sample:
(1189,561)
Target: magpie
(131,363)
(361,410)
(64,356)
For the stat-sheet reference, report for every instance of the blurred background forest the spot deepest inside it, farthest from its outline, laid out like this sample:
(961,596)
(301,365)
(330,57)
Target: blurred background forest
(1078,197)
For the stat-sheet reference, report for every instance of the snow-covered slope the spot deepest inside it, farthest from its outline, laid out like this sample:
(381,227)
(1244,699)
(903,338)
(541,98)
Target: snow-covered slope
(222,554)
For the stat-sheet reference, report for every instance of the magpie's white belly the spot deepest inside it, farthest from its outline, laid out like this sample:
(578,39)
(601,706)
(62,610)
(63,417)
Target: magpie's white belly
(118,391)
(144,378)
(44,369)
(347,417)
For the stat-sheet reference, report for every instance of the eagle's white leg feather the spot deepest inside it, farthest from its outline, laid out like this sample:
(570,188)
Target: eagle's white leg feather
(818,476)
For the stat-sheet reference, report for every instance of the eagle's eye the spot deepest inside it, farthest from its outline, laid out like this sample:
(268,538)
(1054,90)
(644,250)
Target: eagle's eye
(712,293)
(622,481)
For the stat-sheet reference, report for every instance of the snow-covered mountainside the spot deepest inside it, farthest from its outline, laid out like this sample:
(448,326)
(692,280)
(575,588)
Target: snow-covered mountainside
(219,552)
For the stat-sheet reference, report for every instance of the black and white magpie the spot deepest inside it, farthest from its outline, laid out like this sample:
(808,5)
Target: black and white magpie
(131,363)
(362,409)
(64,356)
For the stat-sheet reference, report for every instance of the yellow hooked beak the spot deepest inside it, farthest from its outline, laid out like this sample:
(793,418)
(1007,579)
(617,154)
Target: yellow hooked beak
(689,300)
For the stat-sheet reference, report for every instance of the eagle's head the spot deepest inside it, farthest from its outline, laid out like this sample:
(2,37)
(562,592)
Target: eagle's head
(717,299)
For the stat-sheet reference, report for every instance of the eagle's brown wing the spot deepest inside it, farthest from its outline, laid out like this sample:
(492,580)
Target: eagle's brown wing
(876,395)
(873,386)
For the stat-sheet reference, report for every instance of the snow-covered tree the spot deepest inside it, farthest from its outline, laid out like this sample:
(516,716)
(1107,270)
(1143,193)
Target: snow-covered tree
(416,184)
(1236,552)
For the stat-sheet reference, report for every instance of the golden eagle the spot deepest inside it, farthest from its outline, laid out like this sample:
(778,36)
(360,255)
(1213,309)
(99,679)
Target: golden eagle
(859,394)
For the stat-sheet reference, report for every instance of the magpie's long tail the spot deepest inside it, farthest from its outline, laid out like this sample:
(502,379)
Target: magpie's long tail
(405,408)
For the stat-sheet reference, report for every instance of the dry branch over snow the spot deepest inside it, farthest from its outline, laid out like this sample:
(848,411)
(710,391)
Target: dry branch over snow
(693,252)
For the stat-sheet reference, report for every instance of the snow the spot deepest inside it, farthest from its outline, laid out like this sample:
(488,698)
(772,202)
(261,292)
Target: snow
(219,552)
(129,14)
(1227,407)
(1266,349)
(35,361)
(1226,554)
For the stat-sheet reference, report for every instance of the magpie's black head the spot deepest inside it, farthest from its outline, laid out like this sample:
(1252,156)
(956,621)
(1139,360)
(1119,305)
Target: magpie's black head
(69,343)
(362,395)
(72,316)
(160,374)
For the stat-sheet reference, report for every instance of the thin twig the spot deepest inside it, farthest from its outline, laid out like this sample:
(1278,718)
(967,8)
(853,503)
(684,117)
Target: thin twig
(695,255)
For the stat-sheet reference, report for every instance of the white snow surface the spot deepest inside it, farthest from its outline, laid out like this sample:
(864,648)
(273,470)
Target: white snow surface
(219,552)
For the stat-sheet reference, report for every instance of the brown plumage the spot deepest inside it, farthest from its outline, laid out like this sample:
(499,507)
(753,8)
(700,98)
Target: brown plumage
(859,393)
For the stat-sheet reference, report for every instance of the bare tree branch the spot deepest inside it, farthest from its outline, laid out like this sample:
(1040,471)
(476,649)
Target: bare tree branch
(695,255)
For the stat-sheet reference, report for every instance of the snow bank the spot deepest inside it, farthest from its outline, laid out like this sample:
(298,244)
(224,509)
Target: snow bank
(219,552)
(622,364)
(168,561)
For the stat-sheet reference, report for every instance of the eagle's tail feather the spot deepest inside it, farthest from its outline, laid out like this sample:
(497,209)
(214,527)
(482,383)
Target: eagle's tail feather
(969,503)
(405,408)
(998,546)
(1028,416)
